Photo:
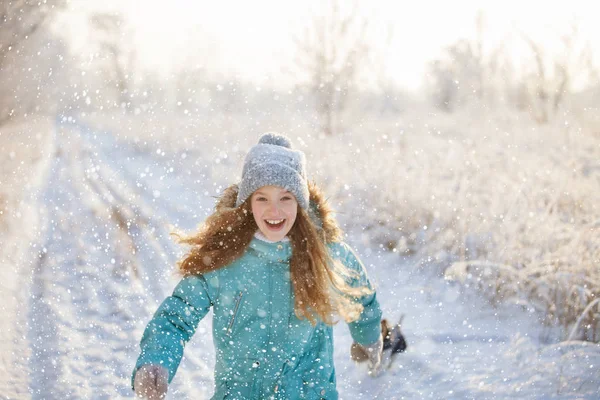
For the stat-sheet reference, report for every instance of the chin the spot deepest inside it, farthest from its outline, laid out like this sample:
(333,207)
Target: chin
(274,236)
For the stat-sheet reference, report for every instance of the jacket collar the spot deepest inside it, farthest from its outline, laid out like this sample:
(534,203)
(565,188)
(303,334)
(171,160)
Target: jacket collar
(278,251)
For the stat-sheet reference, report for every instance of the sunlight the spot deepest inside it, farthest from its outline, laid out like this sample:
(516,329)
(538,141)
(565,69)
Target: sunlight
(452,147)
(254,41)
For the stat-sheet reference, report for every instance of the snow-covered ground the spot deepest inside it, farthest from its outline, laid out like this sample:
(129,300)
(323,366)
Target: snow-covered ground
(23,169)
(101,261)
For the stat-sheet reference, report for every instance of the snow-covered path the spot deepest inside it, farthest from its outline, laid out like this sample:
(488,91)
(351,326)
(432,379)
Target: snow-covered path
(462,348)
(106,261)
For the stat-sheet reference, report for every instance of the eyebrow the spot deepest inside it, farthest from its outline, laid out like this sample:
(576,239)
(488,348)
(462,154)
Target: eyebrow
(264,194)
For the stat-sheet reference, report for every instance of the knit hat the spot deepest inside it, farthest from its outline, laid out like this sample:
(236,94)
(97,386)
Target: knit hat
(273,162)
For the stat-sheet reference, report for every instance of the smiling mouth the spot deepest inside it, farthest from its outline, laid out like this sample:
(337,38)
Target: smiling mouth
(274,224)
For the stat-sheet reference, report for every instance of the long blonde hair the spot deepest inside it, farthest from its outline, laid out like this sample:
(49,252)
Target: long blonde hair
(320,283)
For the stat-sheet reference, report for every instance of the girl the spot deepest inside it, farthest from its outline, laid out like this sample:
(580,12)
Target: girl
(272,264)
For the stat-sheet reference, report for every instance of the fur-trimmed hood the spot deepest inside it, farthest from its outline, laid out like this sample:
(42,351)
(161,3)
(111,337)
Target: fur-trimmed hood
(319,210)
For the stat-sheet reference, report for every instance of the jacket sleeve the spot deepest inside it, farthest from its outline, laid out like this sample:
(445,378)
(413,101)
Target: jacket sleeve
(174,324)
(367,328)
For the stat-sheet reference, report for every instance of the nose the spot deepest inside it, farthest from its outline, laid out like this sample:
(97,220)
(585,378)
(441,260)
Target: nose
(274,208)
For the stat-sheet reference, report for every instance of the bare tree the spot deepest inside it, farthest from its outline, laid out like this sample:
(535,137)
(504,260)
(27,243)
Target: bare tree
(551,79)
(478,55)
(461,72)
(472,70)
(456,77)
(500,82)
(20,22)
(442,85)
(331,53)
(117,53)
(390,95)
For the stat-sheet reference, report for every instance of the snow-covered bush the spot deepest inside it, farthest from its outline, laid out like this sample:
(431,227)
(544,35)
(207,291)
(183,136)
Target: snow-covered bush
(515,205)
(483,188)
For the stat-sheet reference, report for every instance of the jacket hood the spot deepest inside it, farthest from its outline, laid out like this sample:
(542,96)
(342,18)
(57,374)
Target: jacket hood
(319,210)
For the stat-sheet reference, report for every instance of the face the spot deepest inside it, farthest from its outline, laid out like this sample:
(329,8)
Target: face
(274,210)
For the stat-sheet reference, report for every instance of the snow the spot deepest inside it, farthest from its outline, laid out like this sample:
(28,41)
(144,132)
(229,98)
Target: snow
(87,257)
(21,173)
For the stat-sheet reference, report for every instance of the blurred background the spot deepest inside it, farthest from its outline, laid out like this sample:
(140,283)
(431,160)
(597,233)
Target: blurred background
(269,56)
(461,139)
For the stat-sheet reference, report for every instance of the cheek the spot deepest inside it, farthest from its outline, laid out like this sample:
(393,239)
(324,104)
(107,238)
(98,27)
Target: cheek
(256,208)
(256,219)
(292,220)
(256,212)
(292,214)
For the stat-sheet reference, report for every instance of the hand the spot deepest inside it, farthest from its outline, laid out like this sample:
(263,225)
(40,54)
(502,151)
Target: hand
(151,382)
(374,351)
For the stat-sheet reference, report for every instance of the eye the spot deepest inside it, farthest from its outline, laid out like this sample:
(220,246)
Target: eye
(260,199)
(286,198)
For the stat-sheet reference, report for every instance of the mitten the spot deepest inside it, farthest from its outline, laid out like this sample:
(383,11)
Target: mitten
(151,382)
(373,356)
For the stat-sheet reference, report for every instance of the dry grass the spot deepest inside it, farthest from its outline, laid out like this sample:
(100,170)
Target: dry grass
(487,188)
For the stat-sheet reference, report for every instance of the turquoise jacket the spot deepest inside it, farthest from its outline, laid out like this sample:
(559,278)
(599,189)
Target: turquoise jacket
(262,349)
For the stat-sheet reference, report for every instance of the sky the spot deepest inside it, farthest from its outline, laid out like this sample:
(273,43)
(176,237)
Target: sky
(254,40)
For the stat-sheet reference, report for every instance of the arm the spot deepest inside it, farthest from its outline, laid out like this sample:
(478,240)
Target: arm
(366,329)
(174,324)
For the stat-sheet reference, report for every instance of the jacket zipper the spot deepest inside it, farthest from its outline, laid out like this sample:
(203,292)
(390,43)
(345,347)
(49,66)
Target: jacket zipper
(235,310)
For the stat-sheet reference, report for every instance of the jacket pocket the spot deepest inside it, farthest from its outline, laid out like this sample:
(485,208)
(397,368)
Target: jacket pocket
(238,379)
(325,391)
(233,390)
(318,387)
(236,307)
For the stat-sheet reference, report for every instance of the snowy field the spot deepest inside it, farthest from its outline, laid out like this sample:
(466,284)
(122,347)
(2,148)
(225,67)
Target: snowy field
(87,257)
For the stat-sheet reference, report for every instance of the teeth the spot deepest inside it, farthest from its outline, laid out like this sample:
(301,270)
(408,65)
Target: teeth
(274,221)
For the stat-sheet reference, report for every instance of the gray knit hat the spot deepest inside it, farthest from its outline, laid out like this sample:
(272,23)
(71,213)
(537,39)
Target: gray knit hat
(273,162)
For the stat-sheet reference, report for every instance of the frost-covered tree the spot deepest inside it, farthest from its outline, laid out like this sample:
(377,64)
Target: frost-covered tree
(549,78)
(459,74)
(20,20)
(455,78)
(470,70)
(24,78)
(116,55)
(388,97)
(330,54)
(442,85)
